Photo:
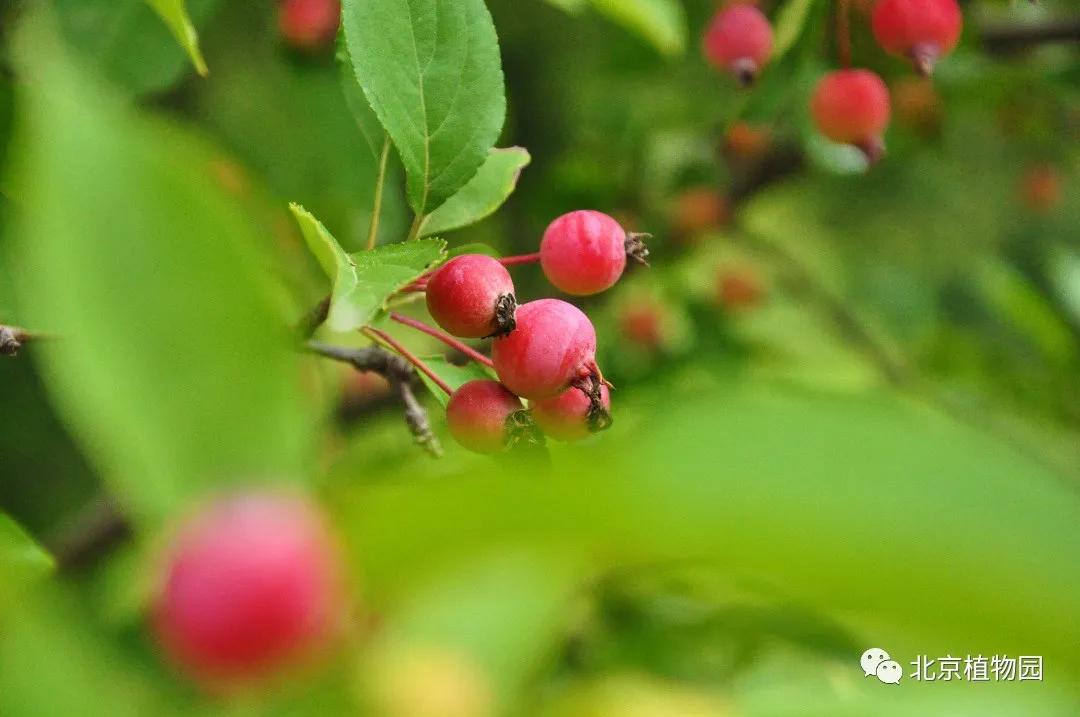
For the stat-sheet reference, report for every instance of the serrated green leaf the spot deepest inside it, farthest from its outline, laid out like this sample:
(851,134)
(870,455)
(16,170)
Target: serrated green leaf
(21,558)
(359,107)
(661,22)
(790,22)
(432,73)
(175,371)
(483,195)
(127,40)
(175,15)
(363,282)
(455,376)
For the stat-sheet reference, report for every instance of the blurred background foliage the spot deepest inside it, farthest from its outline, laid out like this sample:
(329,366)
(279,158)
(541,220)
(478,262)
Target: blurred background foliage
(848,402)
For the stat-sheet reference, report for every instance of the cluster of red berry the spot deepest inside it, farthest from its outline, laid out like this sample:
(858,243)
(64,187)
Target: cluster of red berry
(849,106)
(544,351)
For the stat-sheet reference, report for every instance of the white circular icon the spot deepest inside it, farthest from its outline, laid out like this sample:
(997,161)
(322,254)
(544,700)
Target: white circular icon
(871,659)
(889,672)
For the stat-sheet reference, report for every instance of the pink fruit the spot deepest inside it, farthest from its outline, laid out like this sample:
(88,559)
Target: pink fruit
(309,25)
(923,31)
(252,585)
(852,107)
(567,417)
(583,252)
(553,346)
(477,416)
(739,40)
(472,297)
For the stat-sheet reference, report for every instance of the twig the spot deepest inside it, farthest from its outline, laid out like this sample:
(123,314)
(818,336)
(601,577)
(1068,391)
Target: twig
(380,182)
(385,338)
(313,319)
(98,529)
(1003,38)
(399,372)
(843,32)
(448,340)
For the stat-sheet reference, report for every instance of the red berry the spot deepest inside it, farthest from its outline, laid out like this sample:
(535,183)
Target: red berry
(852,107)
(923,31)
(553,346)
(472,296)
(566,417)
(739,40)
(252,585)
(477,415)
(309,25)
(583,252)
(642,325)
(696,211)
(1042,188)
(739,289)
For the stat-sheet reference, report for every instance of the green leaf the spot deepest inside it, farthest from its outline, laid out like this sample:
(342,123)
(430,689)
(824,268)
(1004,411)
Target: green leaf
(175,371)
(358,105)
(431,71)
(483,195)
(660,22)
(363,282)
(572,7)
(175,15)
(474,248)
(790,22)
(21,558)
(127,41)
(455,376)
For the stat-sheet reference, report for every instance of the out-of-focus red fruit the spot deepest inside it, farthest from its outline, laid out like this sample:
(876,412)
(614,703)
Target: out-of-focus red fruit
(744,143)
(852,107)
(1041,190)
(252,586)
(642,324)
(739,40)
(698,210)
(921,31)
(363,387)
(739,289)
(309,25)
(917,104)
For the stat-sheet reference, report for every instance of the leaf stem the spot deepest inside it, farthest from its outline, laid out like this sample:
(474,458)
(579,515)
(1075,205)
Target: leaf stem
(380,183)
(414,230)
(384,338)
(448,340)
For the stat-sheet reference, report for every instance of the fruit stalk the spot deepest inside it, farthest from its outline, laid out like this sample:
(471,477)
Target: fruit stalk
(448,340)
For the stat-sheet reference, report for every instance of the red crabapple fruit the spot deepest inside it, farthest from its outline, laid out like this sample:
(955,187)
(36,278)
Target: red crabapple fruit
(739,289)
(1041,189)
(572,415)
(739,40)
(922,31)
(584,252)
(478,416)
(696,211)
(852,107)
(553,347)
(309,25)
(472,297)
(252,585)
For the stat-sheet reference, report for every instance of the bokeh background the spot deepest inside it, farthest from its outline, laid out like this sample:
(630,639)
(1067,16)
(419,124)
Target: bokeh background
(848,405)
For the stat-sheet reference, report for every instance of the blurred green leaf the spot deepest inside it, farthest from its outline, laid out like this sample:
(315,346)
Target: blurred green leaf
(1018,302)
(661,22)
(359,106)
(127,41)
(484,249)
(431,71)
(482,196)
(175,15)
(895,488)
(454,375)
(362,282)
(571,6)
(790,22)
(175,370)
(21,558)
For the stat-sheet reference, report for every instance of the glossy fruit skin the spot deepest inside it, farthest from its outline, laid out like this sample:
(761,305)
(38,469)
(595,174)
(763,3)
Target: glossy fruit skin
(553,346)
(252,585)
(463,293)
(309,25)
(739,40)
(565,417)
(583,252)
(476,415)
(908,28)
(851,106)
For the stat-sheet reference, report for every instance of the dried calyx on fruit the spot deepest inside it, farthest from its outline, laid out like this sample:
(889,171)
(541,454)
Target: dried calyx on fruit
(575,414)
(739,41)
(472,297)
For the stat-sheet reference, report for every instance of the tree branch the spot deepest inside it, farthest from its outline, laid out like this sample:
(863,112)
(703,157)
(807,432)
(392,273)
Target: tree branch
(1009,38)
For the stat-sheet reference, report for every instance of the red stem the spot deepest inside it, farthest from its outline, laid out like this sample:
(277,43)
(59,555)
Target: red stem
(448,340)
(408,356)
(523,259)
(421,281)
(843,32)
